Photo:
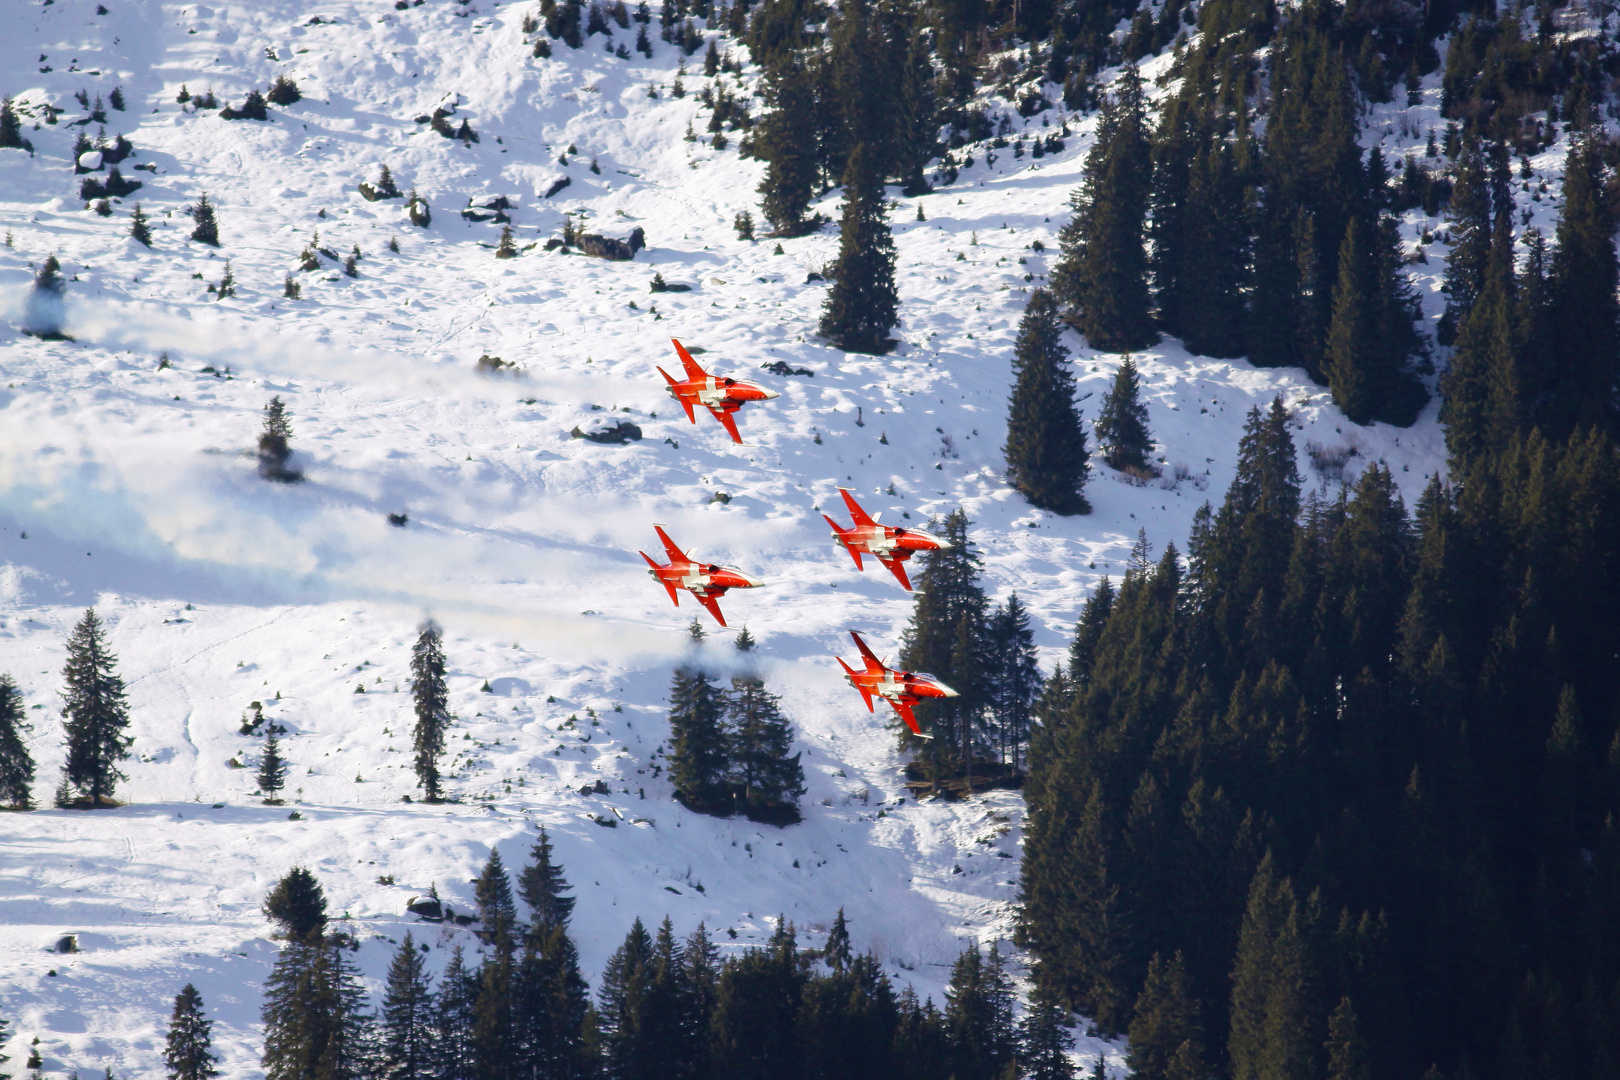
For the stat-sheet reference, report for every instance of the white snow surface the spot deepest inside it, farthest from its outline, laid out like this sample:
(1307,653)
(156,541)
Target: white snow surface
(130,486)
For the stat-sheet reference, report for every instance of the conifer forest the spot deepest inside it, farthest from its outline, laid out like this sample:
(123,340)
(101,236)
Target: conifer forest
(1217,677)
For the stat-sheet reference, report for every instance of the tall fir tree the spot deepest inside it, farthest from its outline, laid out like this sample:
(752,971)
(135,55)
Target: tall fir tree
(949,610)
(1469,211)
(432,698)
(542,885)
(1273,1022)
(623,1007)
(205,223)
(1122,425)
(16,765)
(789,156)
(453,1042)
(493,892)
(758,740)
(862,304)
(698,765)
(1045,1041)
(1353,334)
(1347,1051)
(139,230)
(315,1019)
(756,1002)
(272,775)
(1045,451)
(1166,1034)
(188,1051)
(406,1050)
(1102,274)
(1012,678)
(1213,317)
(1585,297)
(96,716)
(297,904)
(979,1015)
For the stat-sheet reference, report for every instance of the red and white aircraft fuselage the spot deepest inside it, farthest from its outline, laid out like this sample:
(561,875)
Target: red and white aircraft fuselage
(888,544)
(901,689)
(720,395)
(708,582)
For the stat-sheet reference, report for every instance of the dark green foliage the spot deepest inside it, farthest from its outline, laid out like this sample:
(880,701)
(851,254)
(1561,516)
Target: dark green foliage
(1045,1041)
(297,904)
(493,891)
(205,228)
(453,1042)
(11,129)
(759,738)
(283,91)
(1470,216)
(48,278)
(406,1050)
(698,764)
(272,775)
(16,766)
(1585,308)
(862,304)
(506,249)
(541,885)
(1122,425)
(1166,1034)
(1274,1032)
(1046,451)
(432,698)
(1012,679)
(949,612)
(316,1023)
(1347,1056)
(756,999)
(138,227)
(95,715)
(1101,278)
(978,1015)
(188,1050)
(273,439)
(624,1010)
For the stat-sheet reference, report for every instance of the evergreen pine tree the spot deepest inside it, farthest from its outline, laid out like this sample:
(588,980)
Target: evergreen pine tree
(1045,1041)
(698,764)
(1352,341)
(96,716)
(1273,1023)
(1213,316)
(1484,346)
(11,128)
(758,740)
(1046,451)
(1166,1034)
(297,904)
(272,775)
(837,952)
(1122,429)
(16,766)
(273,440)
(188,1051)
(493,891)
(1470,214)
(623,1010)
(1347,1052)
(861,305)
(205,228)
(756,1002)
(949,606)
(407,1020)
(541,884)
(139,230)
(1088,629)
(1586,307)
(315,1020)
(494,1035)
(1102,274)
(432,699)
(780,141)
(1013,681)
(978,1015)
(454,1020)
(506,249)
(551,1009)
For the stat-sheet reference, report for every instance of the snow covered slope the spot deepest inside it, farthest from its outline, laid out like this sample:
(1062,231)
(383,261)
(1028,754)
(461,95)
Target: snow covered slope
(129,484)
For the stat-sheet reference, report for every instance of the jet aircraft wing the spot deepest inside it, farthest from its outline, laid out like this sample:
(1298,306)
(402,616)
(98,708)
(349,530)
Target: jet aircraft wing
(675,554)
(713,604)
(897,568)
(691,365)
(728,421)
(855,511)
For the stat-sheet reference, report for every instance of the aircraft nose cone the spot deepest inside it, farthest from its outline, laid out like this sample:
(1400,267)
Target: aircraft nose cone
(947,691)
(768,395)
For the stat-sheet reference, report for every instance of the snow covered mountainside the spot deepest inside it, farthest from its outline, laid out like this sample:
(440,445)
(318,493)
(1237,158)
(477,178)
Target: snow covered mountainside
(127,482)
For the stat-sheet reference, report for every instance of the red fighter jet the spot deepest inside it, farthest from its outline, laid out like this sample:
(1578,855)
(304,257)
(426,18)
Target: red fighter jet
(706,581)
(888,545)
(902,689)
(721,396)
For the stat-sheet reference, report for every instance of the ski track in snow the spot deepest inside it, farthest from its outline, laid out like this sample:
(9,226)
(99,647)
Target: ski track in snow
(136,489)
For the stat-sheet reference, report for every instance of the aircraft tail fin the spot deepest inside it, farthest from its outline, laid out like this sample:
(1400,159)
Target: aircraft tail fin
(873,664)
(674,597)
(691,365)
(860,516)
(854,552)
(866,695)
